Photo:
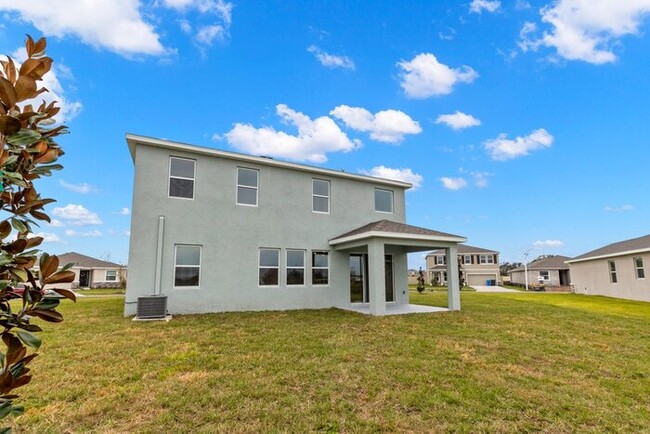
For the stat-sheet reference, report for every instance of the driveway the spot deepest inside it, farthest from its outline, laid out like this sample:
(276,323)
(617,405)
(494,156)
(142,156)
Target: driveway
(492,289)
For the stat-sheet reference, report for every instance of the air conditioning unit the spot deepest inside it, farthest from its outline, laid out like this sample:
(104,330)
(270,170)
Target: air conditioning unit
(152,307)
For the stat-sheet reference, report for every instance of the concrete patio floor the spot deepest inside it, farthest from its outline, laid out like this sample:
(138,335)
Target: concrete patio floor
(395,309)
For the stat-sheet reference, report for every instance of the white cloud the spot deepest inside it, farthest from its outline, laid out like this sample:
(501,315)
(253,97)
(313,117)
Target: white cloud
(48,237)
(314,140)
(478,6)
(217,13)
(82,188)
(619,208)
(125,211)
(331,60)
(481,178)
(522,4)
(388,126)
(453,183)
(77,215)
(117,26)
(458,120)
(405,175)
(54,223)
(126,233)
(89,234)
(588,30)
(424,76)
(547,244)
(503,149)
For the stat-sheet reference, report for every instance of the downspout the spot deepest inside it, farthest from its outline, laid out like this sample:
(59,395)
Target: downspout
(159,250)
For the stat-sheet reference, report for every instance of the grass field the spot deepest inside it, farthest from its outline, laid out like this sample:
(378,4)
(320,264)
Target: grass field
(505,363)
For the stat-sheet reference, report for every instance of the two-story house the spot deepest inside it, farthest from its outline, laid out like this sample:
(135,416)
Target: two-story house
(213,231)
(477,265)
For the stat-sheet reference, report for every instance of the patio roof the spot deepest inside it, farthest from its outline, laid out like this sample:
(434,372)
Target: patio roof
(398,233)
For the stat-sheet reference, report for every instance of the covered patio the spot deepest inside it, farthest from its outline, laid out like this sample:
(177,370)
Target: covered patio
(374,240)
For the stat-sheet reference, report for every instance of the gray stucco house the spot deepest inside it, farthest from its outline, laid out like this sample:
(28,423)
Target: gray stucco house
(220,231)
(552,272)
(615,270)
(477,265)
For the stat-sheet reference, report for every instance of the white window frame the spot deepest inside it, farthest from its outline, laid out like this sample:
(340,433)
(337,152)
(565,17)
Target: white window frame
(187,266)
(170,176)
(259,267)
(392,200)
(465,259)
(114,279)
(313,195)
(256,188)
(540,276)
(638,268)
(287,267)
(611,267)
(313,267)
(486,259)
(440,260)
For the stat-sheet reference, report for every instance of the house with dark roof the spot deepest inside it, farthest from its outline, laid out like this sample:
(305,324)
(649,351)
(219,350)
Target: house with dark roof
(615,270)
(92,272)
(215,231)
(477,265)
(551,272)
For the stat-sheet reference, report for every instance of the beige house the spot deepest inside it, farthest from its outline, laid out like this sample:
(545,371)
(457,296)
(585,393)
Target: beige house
(616,270)
(478,266)
(550,272)
(92,273)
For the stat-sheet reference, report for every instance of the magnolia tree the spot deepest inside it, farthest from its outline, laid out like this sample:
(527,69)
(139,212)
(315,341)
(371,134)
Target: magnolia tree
(29,151)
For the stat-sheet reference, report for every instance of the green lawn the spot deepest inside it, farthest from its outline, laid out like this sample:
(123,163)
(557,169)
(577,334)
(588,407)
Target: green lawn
(506,363)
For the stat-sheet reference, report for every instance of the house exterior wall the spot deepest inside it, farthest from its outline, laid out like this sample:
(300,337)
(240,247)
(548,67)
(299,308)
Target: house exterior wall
(231,235)
(533,277)
(593,277)
(474,268)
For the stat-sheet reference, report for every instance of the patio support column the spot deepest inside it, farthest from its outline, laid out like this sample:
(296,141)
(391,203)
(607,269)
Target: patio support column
(453,284)
(376,277)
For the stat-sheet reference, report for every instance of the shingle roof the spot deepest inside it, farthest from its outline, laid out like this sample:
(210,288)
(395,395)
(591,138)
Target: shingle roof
(394,227)
(464,249)
(614,249)
(552,263)
(83,261)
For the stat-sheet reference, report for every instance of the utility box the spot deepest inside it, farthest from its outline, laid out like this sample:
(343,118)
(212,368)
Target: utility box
(152,307)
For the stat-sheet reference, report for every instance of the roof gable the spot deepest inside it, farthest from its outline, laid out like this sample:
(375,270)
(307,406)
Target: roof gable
(83,261)
(556,262)
(390,227)
(465,249)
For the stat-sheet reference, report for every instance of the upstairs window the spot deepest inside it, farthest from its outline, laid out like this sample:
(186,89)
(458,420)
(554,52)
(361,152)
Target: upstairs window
(269,269)
(187,266)
(111,275)
(383,200)
(320,196)
(247,185)
(181,177)
(320,268)
(486,259)
(441,260)
(612,271)
(638,268)
(467,259)
(295,267)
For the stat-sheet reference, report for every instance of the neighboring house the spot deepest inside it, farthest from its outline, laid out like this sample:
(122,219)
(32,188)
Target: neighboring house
(478,265)
(220,231)
(549,272)
(91,272)
(616,270)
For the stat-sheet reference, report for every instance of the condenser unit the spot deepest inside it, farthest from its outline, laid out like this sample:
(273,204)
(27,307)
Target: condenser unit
(152,307)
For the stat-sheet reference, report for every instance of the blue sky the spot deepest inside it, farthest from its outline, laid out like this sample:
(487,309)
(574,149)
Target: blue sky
(523,124)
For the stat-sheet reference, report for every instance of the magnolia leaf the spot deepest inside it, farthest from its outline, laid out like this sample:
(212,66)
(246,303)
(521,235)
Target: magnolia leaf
(47,315)
(48,303)
(24,137)
(9,125)
(60,277)
(7,93)
(29,327)
(20,275)
(48,265)
(5,229)
(18,225)
(66,293)
(29,339)
(10,69)
(29,46)
(39,47)
(25,88)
